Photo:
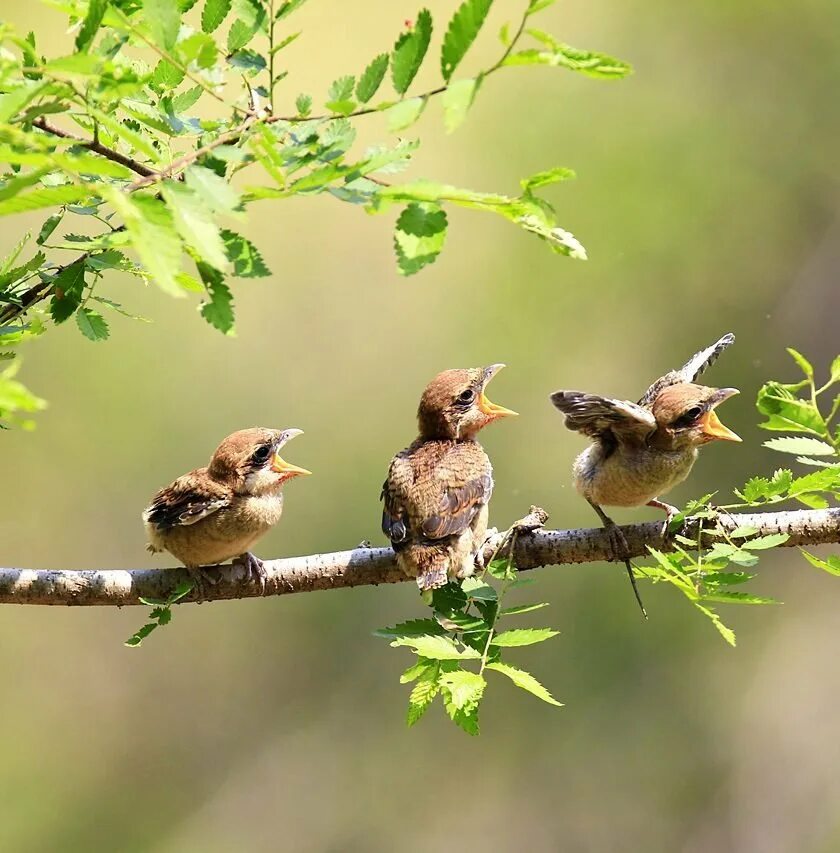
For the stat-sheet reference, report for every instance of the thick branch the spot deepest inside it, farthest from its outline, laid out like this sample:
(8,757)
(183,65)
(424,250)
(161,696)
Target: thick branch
(370,566)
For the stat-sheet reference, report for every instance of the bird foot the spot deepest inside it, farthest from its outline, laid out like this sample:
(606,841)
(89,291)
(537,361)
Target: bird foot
(621,553)
(202,581)
(254,569)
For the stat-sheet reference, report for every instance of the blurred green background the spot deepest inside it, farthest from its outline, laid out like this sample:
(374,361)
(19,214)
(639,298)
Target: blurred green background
(707,198)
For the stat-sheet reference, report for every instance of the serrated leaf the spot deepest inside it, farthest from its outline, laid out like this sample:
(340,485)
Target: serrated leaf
(525,680)
(461,33)
(543,179)
(214,12)
(372,78)
(730,597)
(465,688)
(588,62)
(772,540)
(477,590)
(835,369)
(214,190)
(830,565)
(449,598)
(68,288)
(727,633)
(137,141)
(538,5)
(422,695)
(185,100)
(153,236)
(726,578)
(303,104)
(800,445)
(436,647)
(404,113)
(787,413)
(195,224)
(456,621)
(218,312)
(522,608)
(457,100)
(163,18)
(410,50)
(92,324)
(804,365)
(416,670)
(522,637)
(411,628)
(244,255)
(91,23)
(465,719)
(43,197)
(419,237)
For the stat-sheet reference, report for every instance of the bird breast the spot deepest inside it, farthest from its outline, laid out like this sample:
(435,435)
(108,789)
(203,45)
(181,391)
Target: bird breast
(630,476)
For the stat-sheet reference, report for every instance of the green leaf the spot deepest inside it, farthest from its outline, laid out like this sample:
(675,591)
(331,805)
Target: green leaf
(244,255)
(153,236)
(42,197)
(185,100)
(477,590)
(409,51)
(538,5)
(522,608)
(526,681)
(727,633)
(218,312)
(68,288)
(194,223)
(456,621)
(422,695)
(804,365)
(830,565)
(590,63)
(729,597)
(835,369)
(522,637)
(416,670)
(214,12)
(461,33)
(801,445)
(92,324)
(785,412)
(372,78)
(136,141)
(419,237)
(726,578)
(404,113)
(772,540)
(287,8)
(166,75)
(90,25)
(303,104)
(13,102)
(466,719)
(163,18)
(215,191)
(436,647)
(457,100)
(465,689)
(543,179)
(137,638)
(411,628)
(449,598)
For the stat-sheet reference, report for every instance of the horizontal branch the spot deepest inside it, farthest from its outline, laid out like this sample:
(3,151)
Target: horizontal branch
(364,566)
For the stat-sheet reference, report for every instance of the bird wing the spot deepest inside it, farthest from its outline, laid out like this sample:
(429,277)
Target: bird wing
(435,490)
(690,370)
(186,501)
(604,418)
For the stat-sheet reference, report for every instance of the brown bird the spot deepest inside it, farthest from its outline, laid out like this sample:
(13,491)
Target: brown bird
(438,488)
(641,450)
(216,513)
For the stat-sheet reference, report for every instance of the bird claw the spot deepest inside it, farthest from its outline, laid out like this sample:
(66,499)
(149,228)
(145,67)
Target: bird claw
(202,580)
(254,569)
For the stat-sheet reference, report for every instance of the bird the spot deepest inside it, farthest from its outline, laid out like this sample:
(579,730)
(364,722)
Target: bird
(639,451)
(217,513)
(437,490)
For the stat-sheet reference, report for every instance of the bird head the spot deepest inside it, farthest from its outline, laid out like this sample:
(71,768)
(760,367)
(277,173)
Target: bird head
(685,415)
(454,405)
(249,460)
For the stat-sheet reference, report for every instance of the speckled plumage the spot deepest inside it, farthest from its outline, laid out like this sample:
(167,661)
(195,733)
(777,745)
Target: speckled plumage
(437,489)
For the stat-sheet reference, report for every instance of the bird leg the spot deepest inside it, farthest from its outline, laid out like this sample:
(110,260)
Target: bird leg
(254,569)
(620,549)
(201,579)
(670,513)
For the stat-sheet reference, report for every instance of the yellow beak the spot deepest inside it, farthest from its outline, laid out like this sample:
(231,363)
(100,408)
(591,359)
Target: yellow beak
(713,427)
(280,466)
(484,405)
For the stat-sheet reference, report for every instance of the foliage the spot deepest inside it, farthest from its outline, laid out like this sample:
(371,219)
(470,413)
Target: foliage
(160,614)
(131,142)
(461,640)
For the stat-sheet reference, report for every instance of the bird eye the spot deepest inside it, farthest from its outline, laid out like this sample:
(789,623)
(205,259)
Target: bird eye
(467,396)
(689,417)
(261,454)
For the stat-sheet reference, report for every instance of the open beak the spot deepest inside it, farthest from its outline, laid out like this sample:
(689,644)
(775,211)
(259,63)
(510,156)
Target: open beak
(279,465)
(491,410)
(711,423)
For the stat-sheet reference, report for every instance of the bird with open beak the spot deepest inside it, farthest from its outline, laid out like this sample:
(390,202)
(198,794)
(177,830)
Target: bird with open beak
(217,513)
(438,488)
(641,450)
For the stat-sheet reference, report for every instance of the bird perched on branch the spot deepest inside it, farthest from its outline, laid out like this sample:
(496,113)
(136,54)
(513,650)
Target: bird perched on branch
(437,490)
(216,513)
(641,450)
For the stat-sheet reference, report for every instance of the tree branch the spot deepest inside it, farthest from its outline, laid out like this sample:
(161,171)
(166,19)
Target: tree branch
(364,566)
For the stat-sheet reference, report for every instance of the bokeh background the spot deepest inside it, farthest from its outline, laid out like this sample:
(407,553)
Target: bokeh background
(708,200)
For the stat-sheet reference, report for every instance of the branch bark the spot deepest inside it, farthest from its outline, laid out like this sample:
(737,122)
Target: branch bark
(365,566)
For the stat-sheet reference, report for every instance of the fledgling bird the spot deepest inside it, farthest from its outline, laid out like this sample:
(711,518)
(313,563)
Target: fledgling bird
(641,450)
(437,490)
(217,513)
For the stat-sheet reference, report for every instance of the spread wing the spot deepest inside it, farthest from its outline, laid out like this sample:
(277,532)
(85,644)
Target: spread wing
(434,492)
(603,418)
(690,370)
(185,501)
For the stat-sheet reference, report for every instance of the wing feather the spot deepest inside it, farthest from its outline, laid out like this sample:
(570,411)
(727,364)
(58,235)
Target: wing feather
(602,417)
